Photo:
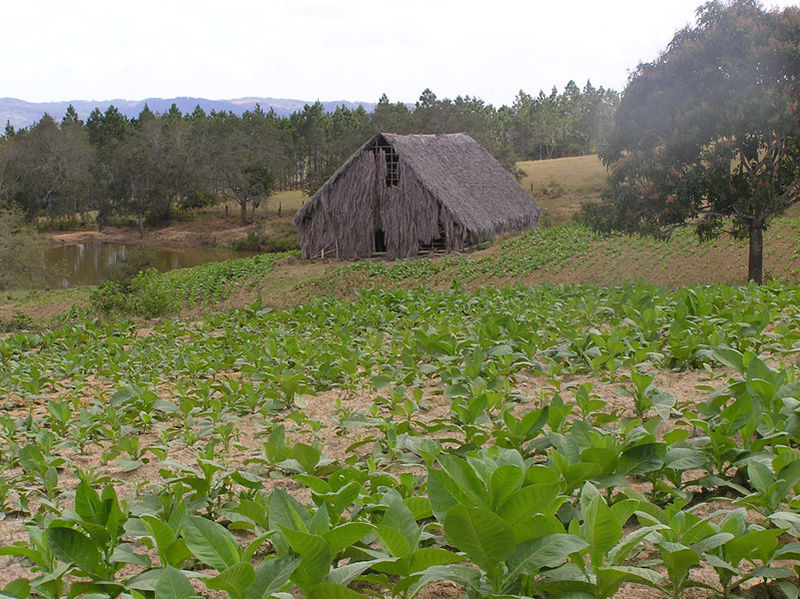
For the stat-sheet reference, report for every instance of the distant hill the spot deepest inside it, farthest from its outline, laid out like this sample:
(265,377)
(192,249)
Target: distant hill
(21,113)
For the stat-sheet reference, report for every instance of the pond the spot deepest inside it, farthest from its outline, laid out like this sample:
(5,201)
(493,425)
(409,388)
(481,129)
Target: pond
(92,263)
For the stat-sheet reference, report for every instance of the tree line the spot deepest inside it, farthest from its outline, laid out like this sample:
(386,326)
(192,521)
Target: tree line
(149,166)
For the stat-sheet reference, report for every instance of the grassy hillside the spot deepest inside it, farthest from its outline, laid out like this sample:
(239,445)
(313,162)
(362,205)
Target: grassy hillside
(573,254)
(563,185)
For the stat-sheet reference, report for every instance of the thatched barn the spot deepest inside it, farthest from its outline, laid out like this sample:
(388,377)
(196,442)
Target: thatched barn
(398,195)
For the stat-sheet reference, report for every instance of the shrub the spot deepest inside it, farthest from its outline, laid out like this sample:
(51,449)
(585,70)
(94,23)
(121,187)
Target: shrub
(148,295)
(19,321)
(136,260)
(251,243)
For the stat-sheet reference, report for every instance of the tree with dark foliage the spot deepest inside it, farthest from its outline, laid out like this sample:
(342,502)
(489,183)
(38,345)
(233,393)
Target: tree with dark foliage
(709,132)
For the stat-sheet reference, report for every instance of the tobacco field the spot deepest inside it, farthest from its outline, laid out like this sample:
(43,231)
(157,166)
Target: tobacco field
(545,441)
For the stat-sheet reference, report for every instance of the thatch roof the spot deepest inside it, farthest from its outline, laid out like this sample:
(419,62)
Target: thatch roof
(468,180)
(447,178)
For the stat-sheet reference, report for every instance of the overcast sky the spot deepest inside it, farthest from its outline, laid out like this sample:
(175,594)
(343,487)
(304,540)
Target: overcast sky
(327,50)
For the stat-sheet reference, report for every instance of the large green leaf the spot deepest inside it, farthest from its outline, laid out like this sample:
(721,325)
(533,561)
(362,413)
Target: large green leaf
(678,558)
(18,588)
(759,544)
(465,576)
(610,578)
(307,456)
(503,482)
(455,484)
(760,477)
(345,574)
(331,590)
(162,534)
(641,459)
(211,543)
(286,512)
(271,576)
(316,557)
(394,541)
(69,545)
(729,357)
(399,518)
(529,500)
(88,505)
(235,580)
(544,552)
(483,535)
(425,557)
(345,535)
(173,584)
(601,528)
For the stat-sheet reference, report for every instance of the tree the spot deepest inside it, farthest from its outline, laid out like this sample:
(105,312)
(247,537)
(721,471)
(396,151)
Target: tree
(141,164)
(71,117)
(709,132)
(391,118)
(47,167)
(240,154)
(108,127)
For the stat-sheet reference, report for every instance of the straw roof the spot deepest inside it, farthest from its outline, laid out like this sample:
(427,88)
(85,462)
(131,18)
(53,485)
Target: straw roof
(467,179)
(446,184)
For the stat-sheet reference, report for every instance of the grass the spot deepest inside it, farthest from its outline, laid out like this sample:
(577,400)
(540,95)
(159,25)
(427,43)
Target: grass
(289,201)
(563,185)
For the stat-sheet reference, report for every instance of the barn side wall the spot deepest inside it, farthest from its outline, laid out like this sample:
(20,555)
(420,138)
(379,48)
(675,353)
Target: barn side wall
(340,222)
(408,214)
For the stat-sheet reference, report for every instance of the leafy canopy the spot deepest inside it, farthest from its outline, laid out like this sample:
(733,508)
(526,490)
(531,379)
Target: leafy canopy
(709,132)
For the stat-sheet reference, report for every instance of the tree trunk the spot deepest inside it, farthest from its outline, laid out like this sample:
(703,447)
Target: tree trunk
(141,226)
(755,264)
(244,212)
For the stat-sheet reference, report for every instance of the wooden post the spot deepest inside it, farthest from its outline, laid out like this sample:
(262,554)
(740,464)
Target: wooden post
(280,207)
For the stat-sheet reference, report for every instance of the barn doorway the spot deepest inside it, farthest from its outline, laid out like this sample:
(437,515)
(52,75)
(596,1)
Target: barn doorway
(438,244)
(380,241)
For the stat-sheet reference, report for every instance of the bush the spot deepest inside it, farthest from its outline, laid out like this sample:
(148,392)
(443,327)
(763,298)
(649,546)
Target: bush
(196,199)
(251,243)
(62,223)
(147,295)
(20,321)
(136,260)
(280,244)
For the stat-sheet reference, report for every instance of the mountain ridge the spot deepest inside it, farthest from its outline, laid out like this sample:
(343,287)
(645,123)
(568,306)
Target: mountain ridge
(21,113)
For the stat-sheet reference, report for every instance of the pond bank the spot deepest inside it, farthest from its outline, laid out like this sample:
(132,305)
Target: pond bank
(191,234)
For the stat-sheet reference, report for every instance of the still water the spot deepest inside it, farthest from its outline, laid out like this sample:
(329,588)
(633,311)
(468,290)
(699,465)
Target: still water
(92,263)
